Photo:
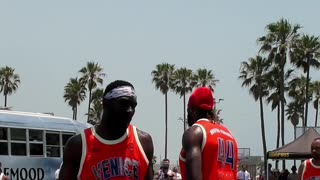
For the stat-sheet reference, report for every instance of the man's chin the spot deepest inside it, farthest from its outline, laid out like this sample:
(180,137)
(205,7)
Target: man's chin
(316,157)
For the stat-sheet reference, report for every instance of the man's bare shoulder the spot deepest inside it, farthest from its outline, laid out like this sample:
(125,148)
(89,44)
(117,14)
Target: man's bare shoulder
(73,148)
(193,133)
(143,136)
(75,140)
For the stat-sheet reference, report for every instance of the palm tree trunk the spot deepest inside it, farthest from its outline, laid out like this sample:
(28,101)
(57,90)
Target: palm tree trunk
(282,99)
(307,94)
(75,113)
(263,135)
(295,137)
(317,111)
(166,125)
(278,132)
(90,91)
(184,112)
(5,100)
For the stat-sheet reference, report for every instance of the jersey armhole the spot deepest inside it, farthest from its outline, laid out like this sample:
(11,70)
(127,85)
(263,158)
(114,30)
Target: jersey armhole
(304,168)
(84,152)
(139,144)
(182,158)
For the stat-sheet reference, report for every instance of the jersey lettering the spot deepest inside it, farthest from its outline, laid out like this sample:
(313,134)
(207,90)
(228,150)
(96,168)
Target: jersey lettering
(116,167)
(226,152)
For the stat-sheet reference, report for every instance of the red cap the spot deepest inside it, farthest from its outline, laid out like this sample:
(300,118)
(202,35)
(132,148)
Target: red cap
(201,98)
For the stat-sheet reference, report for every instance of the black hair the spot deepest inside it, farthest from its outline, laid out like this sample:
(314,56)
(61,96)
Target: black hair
(115,84)
(166,159)
(205,114)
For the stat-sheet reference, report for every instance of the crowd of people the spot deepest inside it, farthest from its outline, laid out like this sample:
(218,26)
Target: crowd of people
(115,149)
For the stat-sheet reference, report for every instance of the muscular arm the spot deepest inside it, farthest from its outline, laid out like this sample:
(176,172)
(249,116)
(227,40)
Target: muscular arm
(71,159)
(191,142)
(147,145)
(301,167)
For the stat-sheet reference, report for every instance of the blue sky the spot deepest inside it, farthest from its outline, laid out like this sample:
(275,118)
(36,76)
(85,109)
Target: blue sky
(47,42)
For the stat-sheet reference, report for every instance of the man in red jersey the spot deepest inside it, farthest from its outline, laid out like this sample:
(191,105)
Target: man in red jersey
(310,168)
(113,149)
(209,151)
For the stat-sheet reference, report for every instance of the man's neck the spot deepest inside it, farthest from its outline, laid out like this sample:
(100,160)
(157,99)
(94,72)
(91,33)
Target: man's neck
(108,133)
(316,162)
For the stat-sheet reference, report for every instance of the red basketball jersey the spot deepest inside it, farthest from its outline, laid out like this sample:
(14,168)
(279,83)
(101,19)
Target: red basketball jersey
(310,170)
(219,153)
(121,159)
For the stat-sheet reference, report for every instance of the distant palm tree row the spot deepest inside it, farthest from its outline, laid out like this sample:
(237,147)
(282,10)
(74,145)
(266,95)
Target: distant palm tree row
(274,75)
(181,81)
(76,89)
(9,82)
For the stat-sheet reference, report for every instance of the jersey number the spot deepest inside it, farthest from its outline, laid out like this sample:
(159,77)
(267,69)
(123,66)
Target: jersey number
(226,152)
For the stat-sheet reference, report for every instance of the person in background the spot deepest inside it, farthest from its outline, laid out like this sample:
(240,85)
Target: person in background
(294,174)
(178,175)
(310,168)
(243,174)
(165,173)
(2,175)
(56,174)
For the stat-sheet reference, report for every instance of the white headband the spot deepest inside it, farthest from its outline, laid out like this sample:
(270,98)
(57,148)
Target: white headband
(120,92)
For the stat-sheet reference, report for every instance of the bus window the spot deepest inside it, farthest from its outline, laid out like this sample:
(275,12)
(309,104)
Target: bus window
(3,141)
(65,138)
(18,134)
(3,133)
(53,144)
(36,142)
(35,135)
(3,148)
(18,142)
(18,149)
(36,149)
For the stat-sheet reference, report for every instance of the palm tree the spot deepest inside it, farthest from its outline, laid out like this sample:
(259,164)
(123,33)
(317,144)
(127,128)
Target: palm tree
(277,43)
(294,112)
(183,84)
(316,102)
(9,82)
(254,73)
(92,75)
(74,93)
(205,78)
(274,97)
(162,77)
(95,112)
(217,113)
(295,108)
(297,92)
(305,52)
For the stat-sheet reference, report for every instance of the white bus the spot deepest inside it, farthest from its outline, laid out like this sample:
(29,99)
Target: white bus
(31,144)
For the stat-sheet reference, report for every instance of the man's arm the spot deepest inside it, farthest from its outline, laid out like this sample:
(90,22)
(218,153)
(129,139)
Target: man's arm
(147,145)
(71,159)
(301,167)
(191,142)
